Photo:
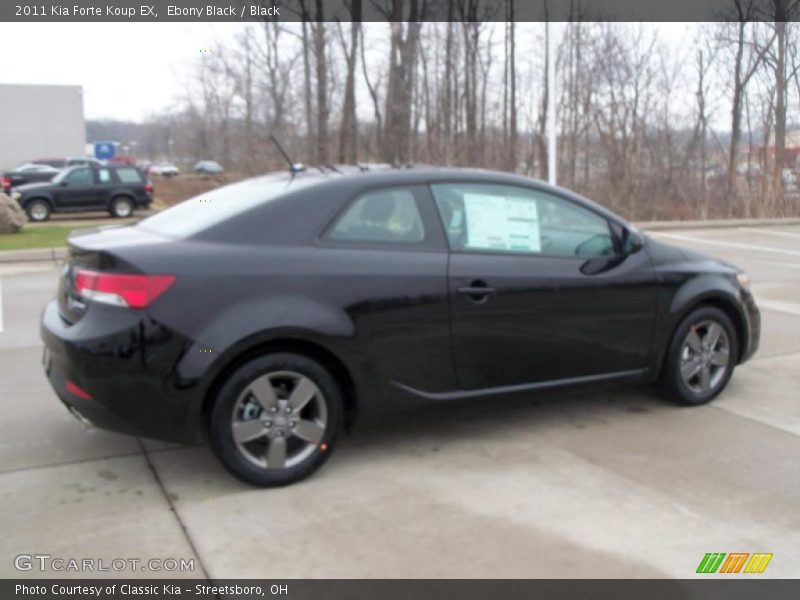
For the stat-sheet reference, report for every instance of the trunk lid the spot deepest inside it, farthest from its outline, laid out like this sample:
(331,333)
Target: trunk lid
(98,249)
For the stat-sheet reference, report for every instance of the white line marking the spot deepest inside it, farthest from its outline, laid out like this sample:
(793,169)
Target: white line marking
(787,234)
(791,308)
(1,305)
(779,262)
(686,238)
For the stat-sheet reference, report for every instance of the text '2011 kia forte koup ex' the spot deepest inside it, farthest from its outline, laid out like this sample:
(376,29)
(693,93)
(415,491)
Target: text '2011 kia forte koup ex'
(270,313)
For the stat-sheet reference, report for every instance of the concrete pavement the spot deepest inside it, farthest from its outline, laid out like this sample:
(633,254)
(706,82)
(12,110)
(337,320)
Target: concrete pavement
(616,484)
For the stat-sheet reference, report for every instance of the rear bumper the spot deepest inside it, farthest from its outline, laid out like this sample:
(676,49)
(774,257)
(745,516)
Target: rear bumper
(144,201)
(124,361)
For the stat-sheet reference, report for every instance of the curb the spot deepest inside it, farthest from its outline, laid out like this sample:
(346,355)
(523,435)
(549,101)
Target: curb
(33,255)
(716,224)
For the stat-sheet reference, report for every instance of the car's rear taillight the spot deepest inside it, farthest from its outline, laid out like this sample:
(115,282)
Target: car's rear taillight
(6,182)
(133,291)
(148,188)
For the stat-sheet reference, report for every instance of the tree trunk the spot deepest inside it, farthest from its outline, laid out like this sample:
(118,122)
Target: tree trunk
(780,103)
(308,96)
(348,137)
(512,74)
(322,86)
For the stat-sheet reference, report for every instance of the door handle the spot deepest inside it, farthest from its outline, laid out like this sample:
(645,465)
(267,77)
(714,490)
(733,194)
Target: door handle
(478,291)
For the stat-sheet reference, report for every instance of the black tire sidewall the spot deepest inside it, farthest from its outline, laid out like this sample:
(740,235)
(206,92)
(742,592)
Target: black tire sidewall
(221,434)
(672,380)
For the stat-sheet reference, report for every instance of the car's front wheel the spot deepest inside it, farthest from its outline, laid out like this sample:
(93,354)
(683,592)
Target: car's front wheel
(275,419)
(701,357)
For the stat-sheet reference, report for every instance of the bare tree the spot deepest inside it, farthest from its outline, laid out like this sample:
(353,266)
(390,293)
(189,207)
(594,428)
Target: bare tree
(348,135)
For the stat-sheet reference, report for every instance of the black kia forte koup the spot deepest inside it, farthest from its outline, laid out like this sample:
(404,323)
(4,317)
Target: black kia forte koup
(269,314)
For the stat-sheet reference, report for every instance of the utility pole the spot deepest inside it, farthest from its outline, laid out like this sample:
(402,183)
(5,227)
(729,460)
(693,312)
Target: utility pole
(551,103)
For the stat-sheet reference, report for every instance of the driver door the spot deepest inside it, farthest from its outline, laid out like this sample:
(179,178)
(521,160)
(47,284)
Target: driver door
(539,290)
(77,190)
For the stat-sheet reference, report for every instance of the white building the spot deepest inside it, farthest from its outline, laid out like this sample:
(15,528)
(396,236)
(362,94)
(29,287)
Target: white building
(39,122)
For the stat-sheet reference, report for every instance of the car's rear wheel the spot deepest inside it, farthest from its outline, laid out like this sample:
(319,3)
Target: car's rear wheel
(38,210)
(701,357)
(121,207)
(275,419)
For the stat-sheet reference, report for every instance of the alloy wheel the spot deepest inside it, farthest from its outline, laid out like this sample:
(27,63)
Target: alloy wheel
(705,355)
(279,420)
(122,208)
(38,211)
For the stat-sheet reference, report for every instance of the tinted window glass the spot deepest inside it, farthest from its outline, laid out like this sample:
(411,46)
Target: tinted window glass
(211,208)
(79,177)
(129,175)
(481,218)
(381,216)
(103,176)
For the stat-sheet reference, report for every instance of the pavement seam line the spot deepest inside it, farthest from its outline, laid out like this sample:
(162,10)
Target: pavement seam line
(87,460)
(769,356)
(733,413)
(172,508)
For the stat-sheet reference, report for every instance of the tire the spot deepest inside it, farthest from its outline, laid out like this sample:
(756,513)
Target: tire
(121,207)
(38,211)
(254,400)
(693,372)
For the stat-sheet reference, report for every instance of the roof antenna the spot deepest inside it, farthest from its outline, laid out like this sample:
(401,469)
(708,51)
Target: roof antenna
(293,166)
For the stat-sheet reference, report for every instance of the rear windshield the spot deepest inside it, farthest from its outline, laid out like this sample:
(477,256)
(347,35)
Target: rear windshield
(203,211)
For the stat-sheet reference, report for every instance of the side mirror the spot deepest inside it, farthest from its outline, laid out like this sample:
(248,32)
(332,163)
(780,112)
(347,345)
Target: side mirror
(64,184)
(633,240)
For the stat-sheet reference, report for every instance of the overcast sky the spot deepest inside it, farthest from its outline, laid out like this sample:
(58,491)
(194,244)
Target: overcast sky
(128,70)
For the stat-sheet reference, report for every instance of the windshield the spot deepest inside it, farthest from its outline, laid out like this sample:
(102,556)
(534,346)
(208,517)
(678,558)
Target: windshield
(203,211)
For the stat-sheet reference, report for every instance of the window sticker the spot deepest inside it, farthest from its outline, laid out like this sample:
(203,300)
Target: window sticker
(502,223)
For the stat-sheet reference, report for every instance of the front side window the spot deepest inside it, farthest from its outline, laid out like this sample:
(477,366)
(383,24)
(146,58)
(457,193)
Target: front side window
(384,216)
(499,218)
(79,177)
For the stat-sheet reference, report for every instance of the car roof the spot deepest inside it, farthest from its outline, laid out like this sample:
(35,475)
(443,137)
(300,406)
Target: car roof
(378,175)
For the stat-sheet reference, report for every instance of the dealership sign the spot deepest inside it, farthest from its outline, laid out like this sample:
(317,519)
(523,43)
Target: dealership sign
(104,150)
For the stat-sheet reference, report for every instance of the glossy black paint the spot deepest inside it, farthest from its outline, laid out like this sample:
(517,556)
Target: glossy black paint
(392,323)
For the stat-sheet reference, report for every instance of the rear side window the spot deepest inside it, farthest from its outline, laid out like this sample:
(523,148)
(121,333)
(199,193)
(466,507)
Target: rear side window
(129,175)
(103,176)
(384,216)
(209,209)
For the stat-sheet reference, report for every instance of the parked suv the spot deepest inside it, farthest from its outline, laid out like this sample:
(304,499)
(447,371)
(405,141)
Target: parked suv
(117,189)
